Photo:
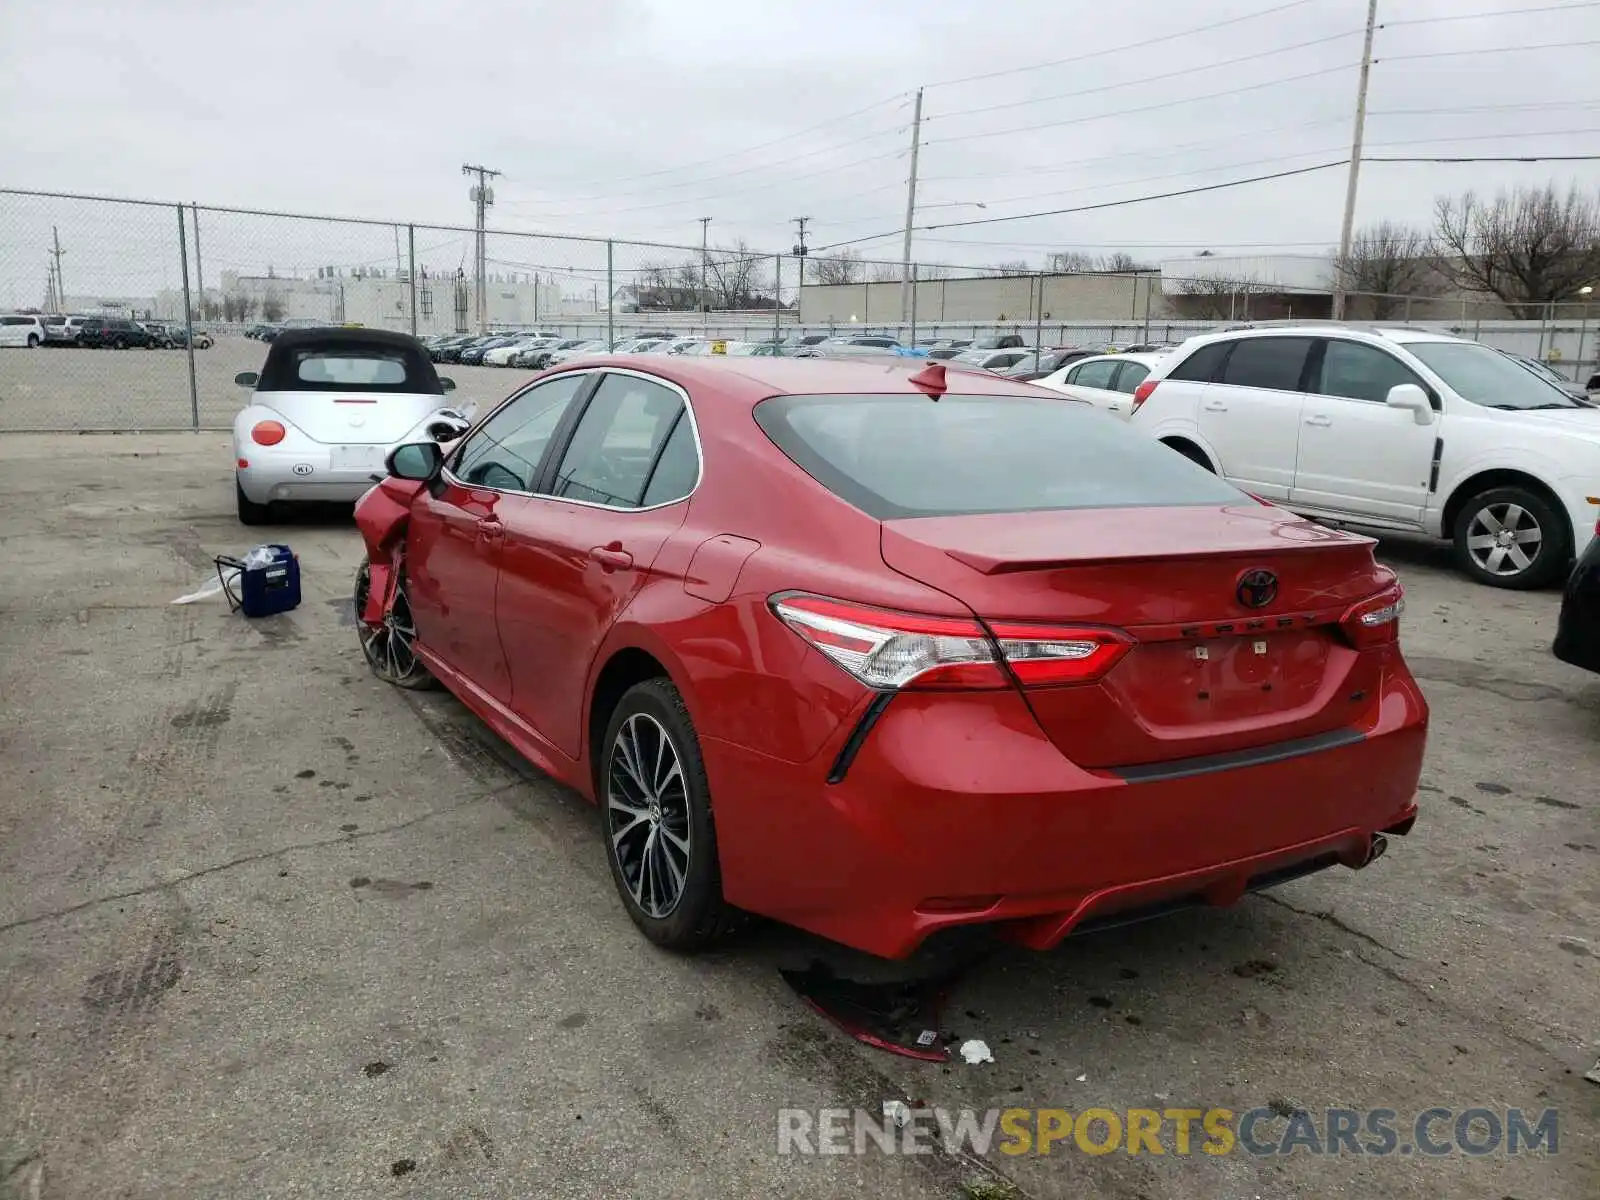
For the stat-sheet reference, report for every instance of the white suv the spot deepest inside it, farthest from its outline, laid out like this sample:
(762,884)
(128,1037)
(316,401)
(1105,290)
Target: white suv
(1391,428)
(22,331)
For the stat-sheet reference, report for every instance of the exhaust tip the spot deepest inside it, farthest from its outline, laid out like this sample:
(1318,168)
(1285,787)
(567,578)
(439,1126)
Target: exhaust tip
(1376,849)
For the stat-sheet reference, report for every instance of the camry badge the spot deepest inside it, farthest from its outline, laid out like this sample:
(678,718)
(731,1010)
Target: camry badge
(1257,588)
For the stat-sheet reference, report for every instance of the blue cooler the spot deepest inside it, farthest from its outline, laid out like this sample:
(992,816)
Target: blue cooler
(263,582)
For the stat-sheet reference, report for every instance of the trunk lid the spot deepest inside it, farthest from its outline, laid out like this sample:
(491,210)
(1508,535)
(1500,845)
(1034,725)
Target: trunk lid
(1208,673)
(344,418)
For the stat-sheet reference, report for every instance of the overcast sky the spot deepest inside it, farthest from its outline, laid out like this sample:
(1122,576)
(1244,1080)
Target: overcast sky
(633,118)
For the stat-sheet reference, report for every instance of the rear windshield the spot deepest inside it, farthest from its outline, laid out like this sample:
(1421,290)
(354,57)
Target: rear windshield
(346,365)
(350,370)
(910,456)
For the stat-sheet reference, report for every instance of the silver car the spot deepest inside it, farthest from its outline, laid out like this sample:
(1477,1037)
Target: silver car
(325,411)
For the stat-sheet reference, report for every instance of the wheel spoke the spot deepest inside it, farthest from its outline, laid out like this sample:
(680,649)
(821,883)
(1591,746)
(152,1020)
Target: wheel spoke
(627,753)
(1481,541)
(1488,520)
(673,776)
(1512,516)
(636,815)
(1528,537)
(1497,557)
(1519,557)
(674,873)
(647,873)
(682,843)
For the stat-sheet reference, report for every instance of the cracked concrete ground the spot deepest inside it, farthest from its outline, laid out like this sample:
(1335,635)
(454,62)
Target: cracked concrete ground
(268,927)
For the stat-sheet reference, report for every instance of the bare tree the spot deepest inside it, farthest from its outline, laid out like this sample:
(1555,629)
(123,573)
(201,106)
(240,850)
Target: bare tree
(1387,262)
(272,308)
(1218,299)
(1120,261)
(884,272)
(1529,247)
(1015,267)
(735,278)
(1077,262)
(843,267)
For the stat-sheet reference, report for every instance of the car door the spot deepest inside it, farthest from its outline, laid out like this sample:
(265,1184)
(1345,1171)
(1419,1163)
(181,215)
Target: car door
(1129,376)
(1358,455)
(1091,381)
(454,541)
(1250,417)
(576,554)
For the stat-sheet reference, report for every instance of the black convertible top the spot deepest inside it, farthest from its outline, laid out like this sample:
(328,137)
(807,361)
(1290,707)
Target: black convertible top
(293,347)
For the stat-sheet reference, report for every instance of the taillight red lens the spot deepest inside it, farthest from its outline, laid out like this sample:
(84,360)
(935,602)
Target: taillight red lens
(267,433)
(1041,655)
(890,650)
(1142,392)
(1376,620)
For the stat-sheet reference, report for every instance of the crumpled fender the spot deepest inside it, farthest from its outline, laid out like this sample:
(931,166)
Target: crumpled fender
(382,516)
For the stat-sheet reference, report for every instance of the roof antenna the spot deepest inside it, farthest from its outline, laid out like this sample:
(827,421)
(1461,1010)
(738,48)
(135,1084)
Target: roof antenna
(931,380)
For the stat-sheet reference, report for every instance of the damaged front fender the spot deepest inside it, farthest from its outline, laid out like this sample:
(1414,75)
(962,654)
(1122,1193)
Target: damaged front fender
(382,516)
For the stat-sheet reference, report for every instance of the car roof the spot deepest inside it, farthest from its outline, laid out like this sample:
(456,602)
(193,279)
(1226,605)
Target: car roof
(748,380)
(1147,358)
(1397,334)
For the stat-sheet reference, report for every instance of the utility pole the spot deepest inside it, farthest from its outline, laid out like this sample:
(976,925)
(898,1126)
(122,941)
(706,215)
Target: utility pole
(1341,281)
(61,291)
(705,296)
(911,212)
(800,250)
(199,275)
(482,197)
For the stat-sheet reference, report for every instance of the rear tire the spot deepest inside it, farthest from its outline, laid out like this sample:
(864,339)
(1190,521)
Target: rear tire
(1497,527)
(390,646)
(250,513)
(33,341)
(655,814)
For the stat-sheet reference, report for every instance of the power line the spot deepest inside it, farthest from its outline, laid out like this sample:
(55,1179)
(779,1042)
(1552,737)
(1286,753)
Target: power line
(1498,158)
(1484,50)
(699,182)
(1125,83)
(1057,212)
(1500,12)
(1187,100)
(748,149)
(1481,108)
(1165,37)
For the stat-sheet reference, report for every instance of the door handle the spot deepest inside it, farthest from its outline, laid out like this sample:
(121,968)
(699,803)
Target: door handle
(612,557)
(490,529)
(1214,406)
(1319,420)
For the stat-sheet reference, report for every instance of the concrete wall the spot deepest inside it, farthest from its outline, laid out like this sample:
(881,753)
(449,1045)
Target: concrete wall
(1013,299)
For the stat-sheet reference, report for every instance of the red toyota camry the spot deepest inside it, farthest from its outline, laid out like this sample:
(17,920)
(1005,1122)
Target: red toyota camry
(876,650)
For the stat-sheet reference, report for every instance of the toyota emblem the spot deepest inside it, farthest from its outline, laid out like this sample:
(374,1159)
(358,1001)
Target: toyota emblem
(1257,588)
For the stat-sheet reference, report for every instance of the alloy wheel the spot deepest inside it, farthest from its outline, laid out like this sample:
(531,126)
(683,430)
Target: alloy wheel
(1504,539)
(647,814)
(390,645)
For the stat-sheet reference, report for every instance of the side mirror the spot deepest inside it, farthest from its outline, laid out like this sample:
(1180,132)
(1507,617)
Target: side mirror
(446,383)
(247,379)
(1410,396)
(420,461)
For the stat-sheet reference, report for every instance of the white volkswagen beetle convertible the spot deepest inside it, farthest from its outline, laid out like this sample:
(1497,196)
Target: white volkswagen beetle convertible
(326,409)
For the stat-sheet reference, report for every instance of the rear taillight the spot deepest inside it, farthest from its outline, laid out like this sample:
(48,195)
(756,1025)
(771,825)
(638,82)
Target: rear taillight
(1143,392)
(1040,655)
(267,433)
(1376,620)
(890,650)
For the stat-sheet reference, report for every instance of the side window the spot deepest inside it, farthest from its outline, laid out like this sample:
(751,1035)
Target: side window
(505,452)
(1267,362)
(1361,372)
(617,442)
(677,470)
(1202,366)
(1131,376)
(1097,374)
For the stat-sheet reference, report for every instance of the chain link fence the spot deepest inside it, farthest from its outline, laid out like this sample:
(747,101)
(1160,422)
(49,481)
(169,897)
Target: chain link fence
(175,299)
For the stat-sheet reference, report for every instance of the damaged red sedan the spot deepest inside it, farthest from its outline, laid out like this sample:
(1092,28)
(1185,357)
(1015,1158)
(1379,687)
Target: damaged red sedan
(878,653)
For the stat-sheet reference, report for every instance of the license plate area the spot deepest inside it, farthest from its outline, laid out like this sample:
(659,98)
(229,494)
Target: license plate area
(357,458)
(1221,679)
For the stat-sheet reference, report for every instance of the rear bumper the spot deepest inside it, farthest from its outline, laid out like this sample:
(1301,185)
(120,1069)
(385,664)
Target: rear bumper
(959,811)
(301,475)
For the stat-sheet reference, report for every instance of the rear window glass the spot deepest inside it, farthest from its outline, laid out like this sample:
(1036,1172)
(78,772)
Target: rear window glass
(1201,366)
(1267,362)
(350,370)
(908,456)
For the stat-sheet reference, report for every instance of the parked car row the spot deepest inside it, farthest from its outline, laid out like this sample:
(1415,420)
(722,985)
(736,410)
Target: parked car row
(541,350)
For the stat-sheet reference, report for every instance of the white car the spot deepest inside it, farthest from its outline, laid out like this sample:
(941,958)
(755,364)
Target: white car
(21,330)
(589,349)
(501,356)
(1106,381)
(1394,429)
(325,411)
